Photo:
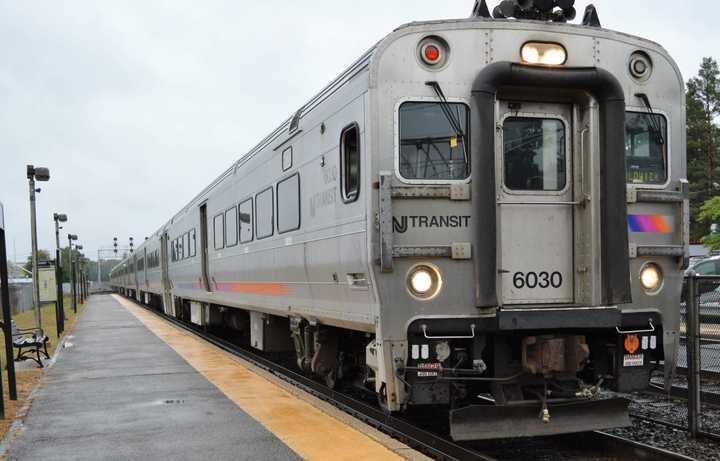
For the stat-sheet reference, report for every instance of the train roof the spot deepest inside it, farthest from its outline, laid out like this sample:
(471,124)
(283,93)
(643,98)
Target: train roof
(365,60)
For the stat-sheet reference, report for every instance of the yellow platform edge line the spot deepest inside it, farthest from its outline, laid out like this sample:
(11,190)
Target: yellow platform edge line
(306,430)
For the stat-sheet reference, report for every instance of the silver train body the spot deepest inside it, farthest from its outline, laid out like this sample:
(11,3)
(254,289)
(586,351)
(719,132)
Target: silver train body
(455,228)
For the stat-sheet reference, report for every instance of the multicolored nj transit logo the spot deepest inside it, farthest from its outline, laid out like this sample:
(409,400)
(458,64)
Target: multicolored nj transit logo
(647,223)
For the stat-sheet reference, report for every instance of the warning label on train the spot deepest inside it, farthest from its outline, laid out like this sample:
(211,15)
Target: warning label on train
(633,360)
(428,370)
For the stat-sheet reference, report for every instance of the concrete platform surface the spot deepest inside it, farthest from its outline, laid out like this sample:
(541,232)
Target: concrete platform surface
(118,391)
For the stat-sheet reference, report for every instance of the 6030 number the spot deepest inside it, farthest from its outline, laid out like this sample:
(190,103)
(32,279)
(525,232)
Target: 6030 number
(537,280)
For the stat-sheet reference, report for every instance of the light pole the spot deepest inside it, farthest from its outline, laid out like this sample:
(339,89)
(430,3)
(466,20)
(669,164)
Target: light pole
(60,312)
(72,237)
(33,174)
(78,264)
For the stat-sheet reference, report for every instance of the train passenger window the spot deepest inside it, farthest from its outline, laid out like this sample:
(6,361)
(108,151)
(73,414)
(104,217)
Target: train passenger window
(245,211)
(181,247)
(434,141)
(193,243)
(350,163)
(231,231)
(219,231)
(173,251)
(645,148)
(534,154)
(186,244)
(288,204)
(264,214)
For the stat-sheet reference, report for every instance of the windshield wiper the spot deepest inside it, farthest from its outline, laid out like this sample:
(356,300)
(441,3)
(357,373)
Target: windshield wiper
(654,125)
(447,110)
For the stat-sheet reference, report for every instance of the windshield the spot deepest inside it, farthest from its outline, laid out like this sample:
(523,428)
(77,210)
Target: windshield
(430,148)
(645,148)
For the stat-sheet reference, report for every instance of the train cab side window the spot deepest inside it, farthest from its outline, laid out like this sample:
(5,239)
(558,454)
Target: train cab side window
(288,204)
(534,154)
(245,212)
(287,158)
(645,148)
(350,163)
(264,214)
(219,231)
(231,231)
(434,141)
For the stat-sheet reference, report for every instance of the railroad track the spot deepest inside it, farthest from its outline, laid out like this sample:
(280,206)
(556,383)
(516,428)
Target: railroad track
(598,445)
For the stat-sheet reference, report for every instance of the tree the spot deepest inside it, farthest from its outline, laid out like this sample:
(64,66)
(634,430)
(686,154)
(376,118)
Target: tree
(43,255)
(710,211)
(703,107)
(66,268)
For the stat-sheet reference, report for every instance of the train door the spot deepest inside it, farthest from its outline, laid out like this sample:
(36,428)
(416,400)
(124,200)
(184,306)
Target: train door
(136,282)
(145,268)
(535,203)
(204,246)
(166,284)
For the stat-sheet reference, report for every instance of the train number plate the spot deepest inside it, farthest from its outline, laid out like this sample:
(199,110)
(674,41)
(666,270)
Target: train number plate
(633,360)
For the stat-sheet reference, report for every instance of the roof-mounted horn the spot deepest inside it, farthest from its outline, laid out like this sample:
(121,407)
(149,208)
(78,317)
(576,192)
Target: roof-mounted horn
(539,10)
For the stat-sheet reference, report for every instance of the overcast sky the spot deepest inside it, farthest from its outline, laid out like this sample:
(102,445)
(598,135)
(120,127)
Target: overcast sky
(136,105)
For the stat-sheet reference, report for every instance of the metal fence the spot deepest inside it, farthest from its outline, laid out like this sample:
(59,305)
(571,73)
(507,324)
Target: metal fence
(693,400)
(703,354)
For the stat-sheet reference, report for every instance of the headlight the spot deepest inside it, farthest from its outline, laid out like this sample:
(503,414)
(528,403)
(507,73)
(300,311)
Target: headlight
(424,281)
(651,277)
(548,54)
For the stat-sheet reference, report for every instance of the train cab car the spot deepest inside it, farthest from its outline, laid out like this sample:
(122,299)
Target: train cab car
(484,217)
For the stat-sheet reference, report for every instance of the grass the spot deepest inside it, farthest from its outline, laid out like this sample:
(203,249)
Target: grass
(28,375)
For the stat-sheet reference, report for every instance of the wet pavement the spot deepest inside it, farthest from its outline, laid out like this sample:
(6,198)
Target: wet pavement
(117,391)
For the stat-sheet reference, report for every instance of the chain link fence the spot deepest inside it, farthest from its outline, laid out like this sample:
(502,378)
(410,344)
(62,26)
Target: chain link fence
(704,340)
(693,400)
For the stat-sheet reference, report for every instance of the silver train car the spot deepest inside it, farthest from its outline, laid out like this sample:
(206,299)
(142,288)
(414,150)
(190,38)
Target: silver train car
(485,218)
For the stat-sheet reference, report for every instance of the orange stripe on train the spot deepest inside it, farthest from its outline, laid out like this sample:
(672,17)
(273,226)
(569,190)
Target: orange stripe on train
(255,288)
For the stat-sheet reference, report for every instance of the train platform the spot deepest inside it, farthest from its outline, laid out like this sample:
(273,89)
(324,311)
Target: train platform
(127,385)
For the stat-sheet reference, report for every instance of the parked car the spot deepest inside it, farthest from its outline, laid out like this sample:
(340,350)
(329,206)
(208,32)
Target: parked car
(709,307)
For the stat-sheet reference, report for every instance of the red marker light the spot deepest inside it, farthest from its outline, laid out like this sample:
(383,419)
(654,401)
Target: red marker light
(432,53)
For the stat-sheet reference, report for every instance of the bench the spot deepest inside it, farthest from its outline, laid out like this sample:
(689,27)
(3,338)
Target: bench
(29,341)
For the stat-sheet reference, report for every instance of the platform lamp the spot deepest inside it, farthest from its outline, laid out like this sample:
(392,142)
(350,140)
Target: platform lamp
(71,238)
(7,316)
(59,306)
(35,174)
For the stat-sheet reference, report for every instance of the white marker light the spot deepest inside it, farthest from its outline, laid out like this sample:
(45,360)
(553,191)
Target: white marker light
(424,281)
(421,281)
(547,54)
(651,277)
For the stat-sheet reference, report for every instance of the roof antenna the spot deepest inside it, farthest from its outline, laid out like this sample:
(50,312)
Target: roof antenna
(480,10)
(591,17)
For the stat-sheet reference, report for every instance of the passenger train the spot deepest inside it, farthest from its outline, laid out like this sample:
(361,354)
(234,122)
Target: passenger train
(484,217)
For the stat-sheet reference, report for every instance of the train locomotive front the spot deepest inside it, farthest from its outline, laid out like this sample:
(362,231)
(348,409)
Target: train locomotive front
(530,224)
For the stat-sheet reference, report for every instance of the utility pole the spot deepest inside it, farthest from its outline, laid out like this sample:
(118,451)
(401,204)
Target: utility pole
(41,174)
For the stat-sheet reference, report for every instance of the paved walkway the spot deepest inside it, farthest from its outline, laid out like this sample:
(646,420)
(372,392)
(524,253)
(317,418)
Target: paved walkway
(118,391)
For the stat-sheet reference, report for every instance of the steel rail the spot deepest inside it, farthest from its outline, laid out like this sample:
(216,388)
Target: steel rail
(638,450)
